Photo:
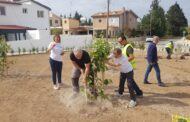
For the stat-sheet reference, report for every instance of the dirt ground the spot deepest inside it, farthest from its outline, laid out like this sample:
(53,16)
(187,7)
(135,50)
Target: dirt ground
(27,95)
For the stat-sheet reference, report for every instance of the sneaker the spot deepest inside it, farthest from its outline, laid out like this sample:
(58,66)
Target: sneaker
(161,84)
(118,94)
(55,87)
(132,104)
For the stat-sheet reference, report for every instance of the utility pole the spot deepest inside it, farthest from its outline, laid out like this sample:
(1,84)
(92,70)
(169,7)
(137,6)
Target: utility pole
(107,29)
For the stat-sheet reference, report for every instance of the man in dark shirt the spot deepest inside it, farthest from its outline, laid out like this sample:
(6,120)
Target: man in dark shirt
(81,62)
(152,58)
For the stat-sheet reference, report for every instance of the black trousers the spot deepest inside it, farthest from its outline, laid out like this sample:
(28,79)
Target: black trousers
(169,52)
(56,68)
(129,77)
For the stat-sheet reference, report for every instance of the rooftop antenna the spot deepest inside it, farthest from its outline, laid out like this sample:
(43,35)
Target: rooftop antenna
(71,4)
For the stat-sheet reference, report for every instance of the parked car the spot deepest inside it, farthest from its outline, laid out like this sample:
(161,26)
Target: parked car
(148,41)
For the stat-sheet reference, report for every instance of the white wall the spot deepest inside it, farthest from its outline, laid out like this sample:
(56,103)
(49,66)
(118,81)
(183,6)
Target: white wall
(66,41)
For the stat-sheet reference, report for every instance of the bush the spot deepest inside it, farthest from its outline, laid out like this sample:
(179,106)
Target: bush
(56,31)
(188,37)
(19,50)
(43,49)
(141,45)
(33,50)
(23,50)
(37,50)
(4,63)
(12,51)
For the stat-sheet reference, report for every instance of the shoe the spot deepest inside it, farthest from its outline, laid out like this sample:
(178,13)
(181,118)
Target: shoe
(116,90)
(161,84)
(147,82)
(55,87)
(140,95)
(118,94)
(58,85)
(132,104)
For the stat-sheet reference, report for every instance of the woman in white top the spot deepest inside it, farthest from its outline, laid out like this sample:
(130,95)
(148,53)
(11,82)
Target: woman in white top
(56,51)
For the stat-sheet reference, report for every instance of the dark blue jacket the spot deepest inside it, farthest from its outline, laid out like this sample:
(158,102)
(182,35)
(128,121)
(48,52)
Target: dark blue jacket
(152,56)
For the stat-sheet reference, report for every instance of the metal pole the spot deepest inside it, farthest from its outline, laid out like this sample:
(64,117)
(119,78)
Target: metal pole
(108,6)
(151,23)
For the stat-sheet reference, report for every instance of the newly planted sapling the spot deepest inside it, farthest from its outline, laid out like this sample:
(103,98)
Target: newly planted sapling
(96,80)
(4,63)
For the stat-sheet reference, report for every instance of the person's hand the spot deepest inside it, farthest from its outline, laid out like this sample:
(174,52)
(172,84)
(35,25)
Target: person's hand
(62,53)
(84,80)
(82,71)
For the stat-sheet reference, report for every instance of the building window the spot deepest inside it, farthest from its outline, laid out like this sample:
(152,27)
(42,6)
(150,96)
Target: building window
(2,10)
(65,21)
(100,20)
(56,21)
(50,22)
(66,32)
(24,10)
(40,14)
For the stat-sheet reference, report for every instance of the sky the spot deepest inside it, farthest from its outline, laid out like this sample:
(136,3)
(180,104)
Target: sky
(89,7)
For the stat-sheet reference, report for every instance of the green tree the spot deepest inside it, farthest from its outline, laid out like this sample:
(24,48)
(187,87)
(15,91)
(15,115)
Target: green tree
(56,31)
(154,22)
(188,33)
(176,20)
(77,16)
(89,21)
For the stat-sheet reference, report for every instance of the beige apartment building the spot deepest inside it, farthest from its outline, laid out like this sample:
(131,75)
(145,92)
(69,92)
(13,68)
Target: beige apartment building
(73,27)
(118,21)
(68,25)
(55,20)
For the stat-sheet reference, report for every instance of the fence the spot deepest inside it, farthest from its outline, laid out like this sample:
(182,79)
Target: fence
(42,44)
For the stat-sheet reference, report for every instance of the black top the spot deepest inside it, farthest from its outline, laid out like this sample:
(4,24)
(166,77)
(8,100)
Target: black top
(81,62)
(129,51)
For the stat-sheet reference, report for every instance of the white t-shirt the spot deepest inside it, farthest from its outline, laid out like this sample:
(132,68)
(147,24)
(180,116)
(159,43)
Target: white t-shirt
(125,65)
(55,53)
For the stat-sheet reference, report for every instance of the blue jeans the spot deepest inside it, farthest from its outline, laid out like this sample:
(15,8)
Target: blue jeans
(56,68)
(156,68)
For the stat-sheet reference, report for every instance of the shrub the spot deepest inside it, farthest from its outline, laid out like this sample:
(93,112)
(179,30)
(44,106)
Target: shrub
(23,50)
(33,50)
(56,31)
(12,51)
(43,49)
(37,50)
(19,50)
(4,63)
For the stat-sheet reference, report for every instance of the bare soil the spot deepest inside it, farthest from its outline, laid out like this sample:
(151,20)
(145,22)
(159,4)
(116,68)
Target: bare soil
(27,95)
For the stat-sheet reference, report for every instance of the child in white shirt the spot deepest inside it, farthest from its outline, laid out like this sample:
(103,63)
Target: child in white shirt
(126,73)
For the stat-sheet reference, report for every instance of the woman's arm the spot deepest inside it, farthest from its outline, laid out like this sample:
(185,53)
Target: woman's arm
(51,47)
